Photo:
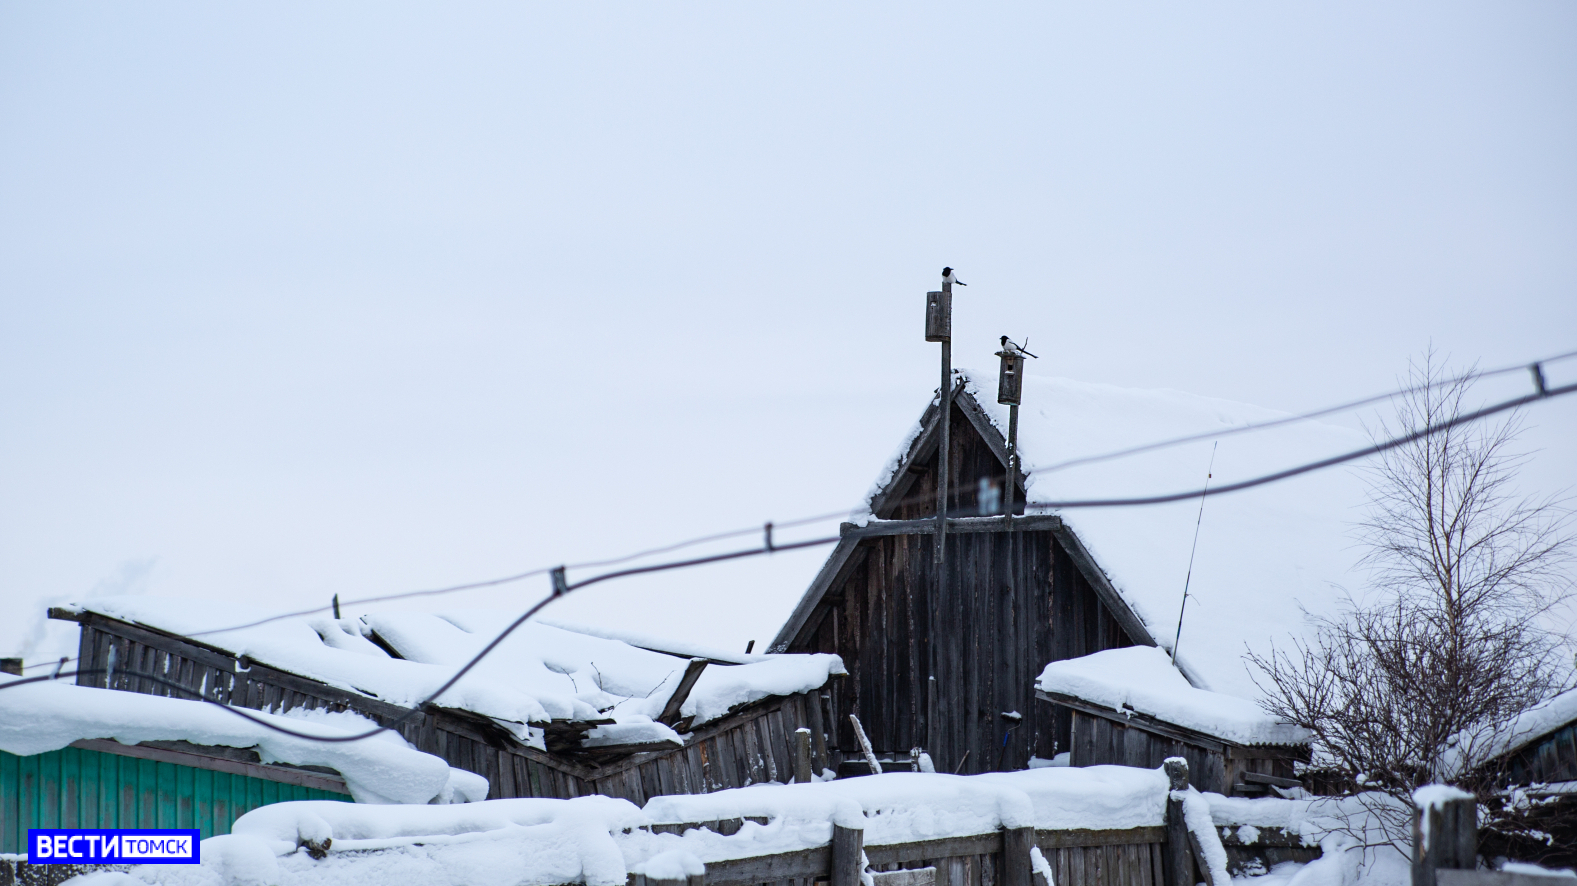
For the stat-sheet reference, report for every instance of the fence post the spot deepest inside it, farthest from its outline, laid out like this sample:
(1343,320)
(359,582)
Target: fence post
(1017,868)
(1178,861)
(802,756)
(1445,832)
(848,850)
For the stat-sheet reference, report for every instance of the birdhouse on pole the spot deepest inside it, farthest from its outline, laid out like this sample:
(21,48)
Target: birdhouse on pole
(1010,382)
(939,315)
(1010,390)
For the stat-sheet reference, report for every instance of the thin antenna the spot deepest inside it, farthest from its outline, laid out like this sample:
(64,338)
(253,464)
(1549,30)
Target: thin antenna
(1209,472)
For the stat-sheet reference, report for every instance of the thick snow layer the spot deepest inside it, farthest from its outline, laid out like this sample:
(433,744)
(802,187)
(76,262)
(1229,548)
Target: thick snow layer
(1475,747)
(1196,815)
(538,673)
(598,840)
(42,717)
(1433,796)
(902,806)
(1142,679)
(1265,554)
(498,842)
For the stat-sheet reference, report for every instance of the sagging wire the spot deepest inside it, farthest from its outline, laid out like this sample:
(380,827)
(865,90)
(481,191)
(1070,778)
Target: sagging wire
(1543,391)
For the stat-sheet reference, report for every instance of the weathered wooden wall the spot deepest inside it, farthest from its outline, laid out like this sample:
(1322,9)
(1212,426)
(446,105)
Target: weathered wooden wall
(1106,738)
(1012,601)
(1549,759)
(747,747)
(1098,740)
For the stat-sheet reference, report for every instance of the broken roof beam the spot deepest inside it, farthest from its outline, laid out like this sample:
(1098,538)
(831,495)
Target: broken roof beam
(692,672)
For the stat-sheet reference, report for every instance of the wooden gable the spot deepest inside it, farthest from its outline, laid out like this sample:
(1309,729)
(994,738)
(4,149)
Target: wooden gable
(937,665)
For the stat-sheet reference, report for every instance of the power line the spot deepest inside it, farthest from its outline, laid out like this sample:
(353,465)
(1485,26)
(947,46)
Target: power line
(1290,419)
(1313,466)
(864,510)
(561,587)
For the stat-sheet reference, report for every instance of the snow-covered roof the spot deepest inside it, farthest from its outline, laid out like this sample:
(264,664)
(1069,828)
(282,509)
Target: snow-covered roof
(47,716)
(1475,747)
(1534,723)
(538,674)
(1265,555)
(1141,679)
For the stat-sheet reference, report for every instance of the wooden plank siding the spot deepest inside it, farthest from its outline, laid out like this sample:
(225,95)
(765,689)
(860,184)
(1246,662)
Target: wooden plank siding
(751,744)
(1552,758)
(1013,600)
(1102,736)
(1099,740)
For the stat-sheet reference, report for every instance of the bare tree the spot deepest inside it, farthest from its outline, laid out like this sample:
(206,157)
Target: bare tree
(1414,682)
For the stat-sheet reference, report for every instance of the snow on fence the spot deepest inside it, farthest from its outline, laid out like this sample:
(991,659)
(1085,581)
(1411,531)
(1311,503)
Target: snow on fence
(1098,826)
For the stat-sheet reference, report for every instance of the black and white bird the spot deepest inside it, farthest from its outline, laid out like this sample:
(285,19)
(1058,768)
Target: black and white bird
(947,277)
(1014,349)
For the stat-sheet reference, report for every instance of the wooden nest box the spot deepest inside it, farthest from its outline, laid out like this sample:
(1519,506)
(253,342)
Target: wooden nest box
(1010,381)
(939,315)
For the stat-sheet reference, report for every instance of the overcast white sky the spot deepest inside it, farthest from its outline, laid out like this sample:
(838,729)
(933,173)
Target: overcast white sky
(365,297)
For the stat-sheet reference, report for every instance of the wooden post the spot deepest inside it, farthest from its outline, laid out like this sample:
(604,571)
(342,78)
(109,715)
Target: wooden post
(933,729)
(802,756)
(1017,869)
(1178,860)
(944,449)
(848,850)
(1007,497)
(1010,391)
(1445,832)
(939,328)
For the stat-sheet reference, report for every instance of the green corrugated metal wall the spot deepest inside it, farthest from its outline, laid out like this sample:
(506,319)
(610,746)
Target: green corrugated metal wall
(75,788)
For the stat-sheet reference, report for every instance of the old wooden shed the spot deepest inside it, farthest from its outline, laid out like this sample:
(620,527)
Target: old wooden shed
(1132,707)
(947,661)
(949,666)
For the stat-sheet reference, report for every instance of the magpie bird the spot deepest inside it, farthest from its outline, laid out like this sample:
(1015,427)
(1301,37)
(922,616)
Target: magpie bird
(1013,349)
(947,277)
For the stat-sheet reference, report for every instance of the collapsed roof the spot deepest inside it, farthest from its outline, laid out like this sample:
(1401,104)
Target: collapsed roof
(538,676)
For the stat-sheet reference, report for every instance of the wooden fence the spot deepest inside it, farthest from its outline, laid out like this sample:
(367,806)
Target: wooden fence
(1163,855)
(1130,857)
